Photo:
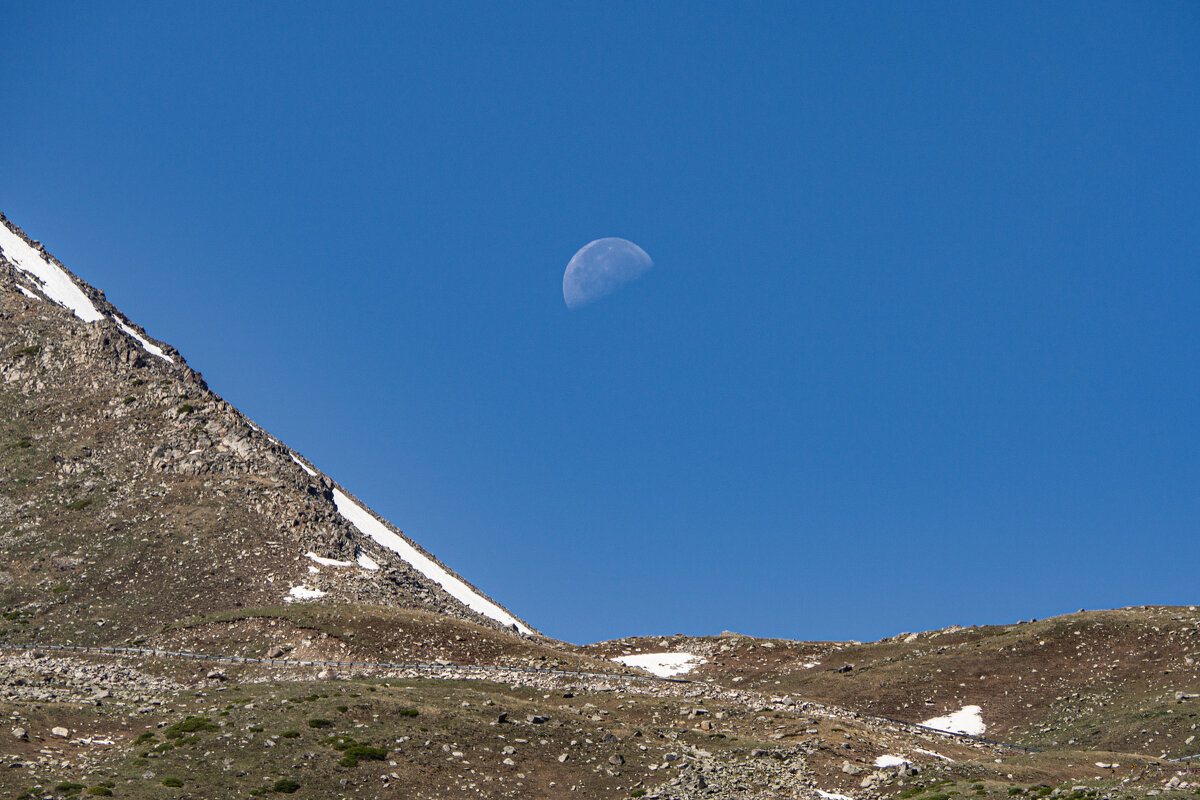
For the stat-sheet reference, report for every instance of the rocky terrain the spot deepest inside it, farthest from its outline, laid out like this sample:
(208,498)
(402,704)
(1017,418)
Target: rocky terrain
(280,643)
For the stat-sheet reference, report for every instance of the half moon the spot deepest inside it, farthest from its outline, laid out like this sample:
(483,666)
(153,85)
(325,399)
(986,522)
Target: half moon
(600,268)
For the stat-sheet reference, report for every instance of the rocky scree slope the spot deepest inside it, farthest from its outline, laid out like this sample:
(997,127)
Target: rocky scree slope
(132,496)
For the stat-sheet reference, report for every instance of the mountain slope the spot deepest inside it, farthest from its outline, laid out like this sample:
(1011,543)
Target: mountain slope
(133,495)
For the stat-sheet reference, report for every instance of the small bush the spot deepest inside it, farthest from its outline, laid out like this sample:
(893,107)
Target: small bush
(190,725)
(32,350)
(285,786)
(184,409)
(62,587)
(365,752)
(638,793)
(138,382)
(100,791)
(343,708)
(127,399)
(174,783)
(407,712)
(256,729)
(66,787)
(290,734)
(339,742)
(145,737)
(319,723)
(78,504)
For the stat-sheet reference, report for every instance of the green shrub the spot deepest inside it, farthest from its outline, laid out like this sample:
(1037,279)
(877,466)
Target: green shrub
(145,737)
(190,725)
(174,783)
(78,504)
(67,787)
(407,712)
(290,734)
(340,742)
(319,723)
(365,752)
(186,408)
(29,351)
(638,793)
(286,786)
(100,791)
(127,399)
(62,587)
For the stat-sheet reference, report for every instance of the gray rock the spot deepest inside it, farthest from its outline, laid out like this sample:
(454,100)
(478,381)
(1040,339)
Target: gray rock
(616,760)
(20,733)
(60,732)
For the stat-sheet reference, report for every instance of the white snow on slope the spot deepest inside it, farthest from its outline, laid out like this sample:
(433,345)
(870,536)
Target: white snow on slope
(360,518)
(29,294)
(55,283)
(966,720)
(305,593)
(153,349)
(328,562)
(833,795)
(890,761)
(935,755)
(303,466)
(664,665)
(366,562)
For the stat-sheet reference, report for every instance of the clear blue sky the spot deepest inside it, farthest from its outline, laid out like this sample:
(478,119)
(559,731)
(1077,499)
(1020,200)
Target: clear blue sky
(921,345)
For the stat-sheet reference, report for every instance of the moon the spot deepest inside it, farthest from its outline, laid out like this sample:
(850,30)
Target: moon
(600,268)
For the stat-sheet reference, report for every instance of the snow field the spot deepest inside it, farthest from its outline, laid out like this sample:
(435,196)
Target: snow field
(360,518)
(664,665)
(967,719)
(55,283)
(153,349)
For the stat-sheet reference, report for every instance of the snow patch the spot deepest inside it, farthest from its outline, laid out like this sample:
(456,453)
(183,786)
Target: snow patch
(360,518)
(664,665)
(313,570)
(328,562)
(56,285)
(966,720)
(935,755)
(891,761)
(366,562)
(28,293)
(810,665)
(305,593)
(303,466)
(153,349)
(833,795)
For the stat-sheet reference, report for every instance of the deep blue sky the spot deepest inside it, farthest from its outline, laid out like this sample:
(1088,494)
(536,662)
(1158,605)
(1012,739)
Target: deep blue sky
(920,347)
